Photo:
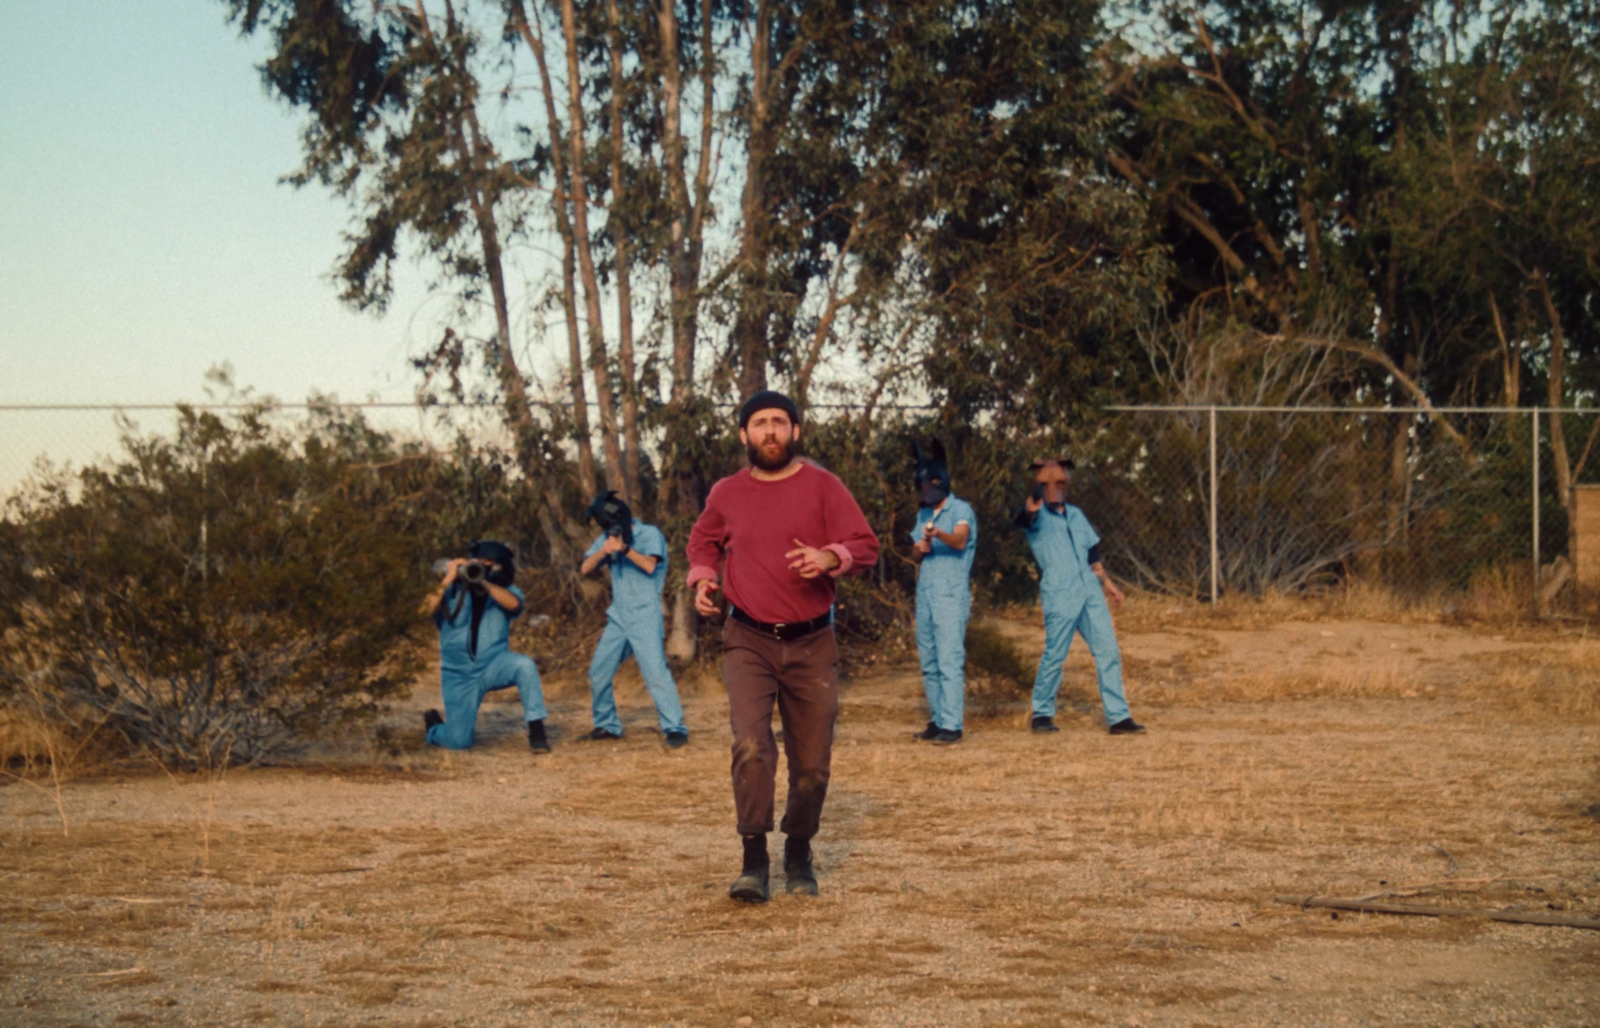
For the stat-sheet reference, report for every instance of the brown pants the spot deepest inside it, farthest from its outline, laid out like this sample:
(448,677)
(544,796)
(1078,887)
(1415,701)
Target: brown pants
(802,675)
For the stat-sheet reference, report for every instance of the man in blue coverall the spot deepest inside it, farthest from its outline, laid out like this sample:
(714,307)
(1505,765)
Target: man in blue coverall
(637,554)
(943,543)
(1073,589)
(473,610)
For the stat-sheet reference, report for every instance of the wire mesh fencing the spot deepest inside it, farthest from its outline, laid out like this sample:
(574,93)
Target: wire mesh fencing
(1213,500)
(1198,501)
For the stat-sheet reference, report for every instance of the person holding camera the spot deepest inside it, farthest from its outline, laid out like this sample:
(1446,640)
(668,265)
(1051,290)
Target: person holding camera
(1074,591)
(473,610)
(637,555)
(943,543)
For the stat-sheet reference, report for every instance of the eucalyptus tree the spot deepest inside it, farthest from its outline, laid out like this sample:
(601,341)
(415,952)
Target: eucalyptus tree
(394,126)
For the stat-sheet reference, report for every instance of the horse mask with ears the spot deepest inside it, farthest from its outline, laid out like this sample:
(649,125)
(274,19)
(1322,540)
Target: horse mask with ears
(933,475)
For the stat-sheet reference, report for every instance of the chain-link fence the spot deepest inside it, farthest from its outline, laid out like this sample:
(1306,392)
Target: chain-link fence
(1197,501)
(1207,500)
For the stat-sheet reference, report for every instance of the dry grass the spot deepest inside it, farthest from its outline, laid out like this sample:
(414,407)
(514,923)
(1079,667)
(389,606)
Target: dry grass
(1013,879)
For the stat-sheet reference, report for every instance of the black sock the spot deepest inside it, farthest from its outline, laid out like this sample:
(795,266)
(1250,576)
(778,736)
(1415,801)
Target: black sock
(755,852)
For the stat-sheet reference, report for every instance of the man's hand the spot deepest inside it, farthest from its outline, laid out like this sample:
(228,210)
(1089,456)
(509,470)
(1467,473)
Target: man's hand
(702,598)
(613,544)
(1035,499)
(923,546)
(452,571)
(810,561)
(1113,594)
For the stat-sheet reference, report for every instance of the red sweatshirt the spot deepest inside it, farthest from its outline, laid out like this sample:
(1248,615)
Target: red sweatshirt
(748,525)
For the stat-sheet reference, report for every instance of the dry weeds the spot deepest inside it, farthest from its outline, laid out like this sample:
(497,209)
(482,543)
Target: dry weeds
(1013,879)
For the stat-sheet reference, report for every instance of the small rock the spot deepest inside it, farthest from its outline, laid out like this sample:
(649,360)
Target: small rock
(744,1021)
(813,1000)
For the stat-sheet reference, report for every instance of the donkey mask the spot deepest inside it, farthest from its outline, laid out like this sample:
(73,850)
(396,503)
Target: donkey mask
(933,475)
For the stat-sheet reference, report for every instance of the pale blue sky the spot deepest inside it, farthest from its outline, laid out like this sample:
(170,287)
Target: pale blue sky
(144,235)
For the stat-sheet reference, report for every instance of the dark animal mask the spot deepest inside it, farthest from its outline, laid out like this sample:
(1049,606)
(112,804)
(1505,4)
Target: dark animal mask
(933,475)
(612,515)
(505,562)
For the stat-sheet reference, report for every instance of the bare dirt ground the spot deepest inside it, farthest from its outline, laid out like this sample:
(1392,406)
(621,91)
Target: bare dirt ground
(1012,879)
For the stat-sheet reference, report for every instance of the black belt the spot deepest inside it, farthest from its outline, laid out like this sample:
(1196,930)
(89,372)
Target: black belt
(783,631)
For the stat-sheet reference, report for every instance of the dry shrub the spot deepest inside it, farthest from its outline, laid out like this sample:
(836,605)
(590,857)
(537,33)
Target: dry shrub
(1499,596)
(997,673)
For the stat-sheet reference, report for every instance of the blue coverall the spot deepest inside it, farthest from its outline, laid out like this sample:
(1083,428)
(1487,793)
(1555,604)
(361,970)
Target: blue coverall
(465,676)
(944,602)
(634,624)
(1073,602)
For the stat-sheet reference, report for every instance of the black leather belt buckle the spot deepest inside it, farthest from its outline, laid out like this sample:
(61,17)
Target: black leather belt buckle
(784,631)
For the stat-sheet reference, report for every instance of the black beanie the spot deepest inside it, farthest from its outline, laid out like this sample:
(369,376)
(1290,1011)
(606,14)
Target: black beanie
(767,399)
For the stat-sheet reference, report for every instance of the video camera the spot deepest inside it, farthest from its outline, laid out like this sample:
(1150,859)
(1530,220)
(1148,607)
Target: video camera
(475,572)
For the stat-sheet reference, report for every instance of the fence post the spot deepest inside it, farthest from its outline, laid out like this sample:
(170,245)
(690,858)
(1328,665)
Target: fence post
(1212,418)
(1536,611)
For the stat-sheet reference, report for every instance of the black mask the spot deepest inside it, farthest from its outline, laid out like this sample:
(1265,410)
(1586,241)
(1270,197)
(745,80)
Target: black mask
(933,475)
(503,570)
(612,515)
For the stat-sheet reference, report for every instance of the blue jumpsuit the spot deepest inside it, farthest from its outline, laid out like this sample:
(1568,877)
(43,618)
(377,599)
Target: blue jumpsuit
(634,624)
(1073,602)
(944,602)
(465,678)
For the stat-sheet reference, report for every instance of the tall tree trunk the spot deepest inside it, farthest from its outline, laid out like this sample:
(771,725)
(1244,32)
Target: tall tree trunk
(1510,357)
(599,365)
(751,323)
(476,156)
(627,391)
(685,247)
(569,292)
(1555,391)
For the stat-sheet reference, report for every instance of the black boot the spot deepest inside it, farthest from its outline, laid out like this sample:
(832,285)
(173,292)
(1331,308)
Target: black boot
(800,879)
(536,739)
(751,885)
(429,719)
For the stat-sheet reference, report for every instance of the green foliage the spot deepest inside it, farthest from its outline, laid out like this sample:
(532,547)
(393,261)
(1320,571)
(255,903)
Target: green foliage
(222,596)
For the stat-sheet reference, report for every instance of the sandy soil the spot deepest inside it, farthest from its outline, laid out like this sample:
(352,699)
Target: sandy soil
(1012,879)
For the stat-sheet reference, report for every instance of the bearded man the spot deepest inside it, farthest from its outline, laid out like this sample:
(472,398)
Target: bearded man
(778,534)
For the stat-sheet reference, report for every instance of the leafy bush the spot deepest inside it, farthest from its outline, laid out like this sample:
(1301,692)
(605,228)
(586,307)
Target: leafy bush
(219,597)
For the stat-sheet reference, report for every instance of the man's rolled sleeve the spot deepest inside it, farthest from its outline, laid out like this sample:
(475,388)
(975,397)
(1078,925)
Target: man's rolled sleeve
(855,544)
(701,574)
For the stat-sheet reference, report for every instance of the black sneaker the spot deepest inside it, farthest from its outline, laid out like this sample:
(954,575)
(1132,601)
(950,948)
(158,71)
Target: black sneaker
(1127,726)
(928,734)
(536,738)
(601,735)
(751,885)
(430,718)
(1042,724)
(799,878)
(946,737)
(677,739)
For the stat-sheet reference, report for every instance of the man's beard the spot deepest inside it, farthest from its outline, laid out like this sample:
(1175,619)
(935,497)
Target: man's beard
(775,463)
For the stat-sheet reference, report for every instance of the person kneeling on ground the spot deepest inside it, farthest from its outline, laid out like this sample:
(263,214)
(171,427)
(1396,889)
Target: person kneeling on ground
(637,553)
(1073,590)
(473,611)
